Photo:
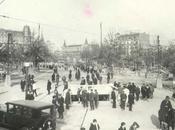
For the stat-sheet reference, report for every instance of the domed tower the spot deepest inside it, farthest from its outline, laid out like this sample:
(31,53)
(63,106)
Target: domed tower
(27,34)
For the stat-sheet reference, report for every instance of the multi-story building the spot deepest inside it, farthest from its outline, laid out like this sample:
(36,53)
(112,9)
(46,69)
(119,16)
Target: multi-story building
(19,37)
(71,53)
(134,41)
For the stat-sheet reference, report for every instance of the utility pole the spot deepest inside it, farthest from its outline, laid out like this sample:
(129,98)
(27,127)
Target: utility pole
(101,34)
(159,79)
(8,79)
(158,55)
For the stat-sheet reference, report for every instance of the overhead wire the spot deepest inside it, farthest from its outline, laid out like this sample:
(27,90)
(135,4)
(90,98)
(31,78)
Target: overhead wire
(48,25)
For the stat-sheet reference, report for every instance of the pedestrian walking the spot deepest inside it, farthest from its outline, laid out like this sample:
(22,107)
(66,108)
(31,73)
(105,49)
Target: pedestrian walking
(108,77)
(68,99)
(53,77)
(113,97)
(134,126)
(23,83)
(49,86)
(65,83)
(137,92)
(54,115)
(70,75)
(79,94)
(85,98)
(94,125)
(57,78)
(130,100)
(96,99)
(91,99)
(123,98)
(60,106)
(87,77)
(122,126)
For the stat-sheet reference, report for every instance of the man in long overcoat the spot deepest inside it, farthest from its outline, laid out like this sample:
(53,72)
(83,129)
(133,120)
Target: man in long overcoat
(130,101)
(113,97)
(68,99)
(91,99)
(60,106)
(49,86)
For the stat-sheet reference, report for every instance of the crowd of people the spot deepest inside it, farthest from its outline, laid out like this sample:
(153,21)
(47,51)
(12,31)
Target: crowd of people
(88,98)
(124,94)
(127,94)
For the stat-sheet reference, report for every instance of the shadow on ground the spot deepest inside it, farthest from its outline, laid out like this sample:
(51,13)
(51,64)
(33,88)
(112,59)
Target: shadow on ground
(155,121)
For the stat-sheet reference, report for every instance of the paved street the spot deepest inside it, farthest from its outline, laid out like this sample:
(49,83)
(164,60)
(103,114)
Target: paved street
(144,112)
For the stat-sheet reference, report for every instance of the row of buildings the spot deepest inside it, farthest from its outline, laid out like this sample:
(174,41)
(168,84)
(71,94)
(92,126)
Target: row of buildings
(129,42)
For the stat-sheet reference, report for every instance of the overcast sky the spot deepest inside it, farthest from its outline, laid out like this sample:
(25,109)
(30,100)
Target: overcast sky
(75,20)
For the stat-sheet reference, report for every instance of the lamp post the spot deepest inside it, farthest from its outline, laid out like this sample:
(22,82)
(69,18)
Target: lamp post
(26,65)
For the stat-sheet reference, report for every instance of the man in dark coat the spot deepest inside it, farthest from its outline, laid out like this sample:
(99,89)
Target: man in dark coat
(113,97)
(87,77)
(95,80)
(68,99)
(70,75)
(79,94)
(57,78)
(91,100)
(22,85)
(49,86)
(143,91)
(85,98)
(94,125)
(60,106)
(65,83)
(53,77)
(165,106)
(137,92)
(123,98)
(130,100)
(108,77)
(96,99)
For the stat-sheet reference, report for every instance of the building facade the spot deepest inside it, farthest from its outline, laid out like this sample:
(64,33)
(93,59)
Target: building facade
(71,53)
(19,37)
(134,42)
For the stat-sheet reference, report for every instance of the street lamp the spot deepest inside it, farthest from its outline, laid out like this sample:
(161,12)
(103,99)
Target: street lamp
(26,65)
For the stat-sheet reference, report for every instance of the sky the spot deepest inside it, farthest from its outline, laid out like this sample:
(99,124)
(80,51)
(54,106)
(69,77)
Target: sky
(76,20)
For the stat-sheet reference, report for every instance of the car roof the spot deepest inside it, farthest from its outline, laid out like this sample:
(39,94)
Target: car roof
(31,104)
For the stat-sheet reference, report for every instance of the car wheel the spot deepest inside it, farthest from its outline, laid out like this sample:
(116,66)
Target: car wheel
(48,125)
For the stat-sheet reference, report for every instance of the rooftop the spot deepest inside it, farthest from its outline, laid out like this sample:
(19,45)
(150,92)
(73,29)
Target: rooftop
(31,104)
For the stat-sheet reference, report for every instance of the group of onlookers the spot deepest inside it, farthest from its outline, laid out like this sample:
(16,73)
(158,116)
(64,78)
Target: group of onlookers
(127,94)
(88,98)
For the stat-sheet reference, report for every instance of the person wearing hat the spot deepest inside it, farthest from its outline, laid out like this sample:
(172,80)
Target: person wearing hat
(134,126)
(165,106)
(123,98)
(96,98)
(113,97)
(91,99)
(122,127)
(60,106)
(68,99)
(94,125)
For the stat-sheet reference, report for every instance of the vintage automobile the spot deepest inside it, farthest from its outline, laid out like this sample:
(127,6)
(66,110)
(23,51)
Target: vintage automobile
(28,115)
